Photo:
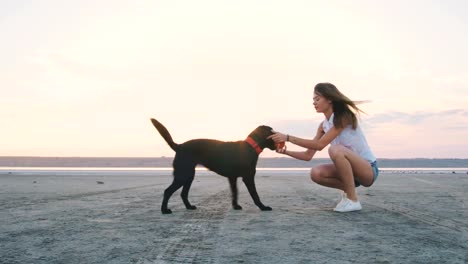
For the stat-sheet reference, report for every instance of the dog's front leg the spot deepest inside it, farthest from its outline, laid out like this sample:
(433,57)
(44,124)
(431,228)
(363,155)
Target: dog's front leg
(250,183)
(234,193)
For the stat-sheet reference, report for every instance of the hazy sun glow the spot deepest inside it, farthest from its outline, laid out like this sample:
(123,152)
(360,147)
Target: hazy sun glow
(83,78)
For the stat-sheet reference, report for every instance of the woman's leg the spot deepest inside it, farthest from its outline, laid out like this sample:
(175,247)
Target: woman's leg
(326,175)
(349,166)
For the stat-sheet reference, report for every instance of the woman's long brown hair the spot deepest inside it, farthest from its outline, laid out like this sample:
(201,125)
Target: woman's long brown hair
(342,106)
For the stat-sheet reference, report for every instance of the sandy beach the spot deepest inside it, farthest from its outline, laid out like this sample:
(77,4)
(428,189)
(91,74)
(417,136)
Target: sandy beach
(116,218)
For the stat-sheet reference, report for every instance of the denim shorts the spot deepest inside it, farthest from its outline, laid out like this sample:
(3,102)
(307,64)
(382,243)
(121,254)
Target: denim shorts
(375,169)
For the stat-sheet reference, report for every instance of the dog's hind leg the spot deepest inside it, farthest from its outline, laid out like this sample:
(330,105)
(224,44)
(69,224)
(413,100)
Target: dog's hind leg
(184,172)
(185,191)
(250,183)
(176,184)
(234,193)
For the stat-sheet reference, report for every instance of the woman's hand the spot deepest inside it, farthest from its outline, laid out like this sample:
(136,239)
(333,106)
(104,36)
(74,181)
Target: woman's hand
(280,140)
(278,137)
(281,148)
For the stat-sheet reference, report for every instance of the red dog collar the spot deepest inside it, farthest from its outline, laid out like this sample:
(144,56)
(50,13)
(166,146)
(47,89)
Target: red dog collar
(254,145)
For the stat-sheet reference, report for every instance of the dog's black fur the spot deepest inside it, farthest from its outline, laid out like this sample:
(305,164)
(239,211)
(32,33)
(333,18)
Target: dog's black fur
(229,159)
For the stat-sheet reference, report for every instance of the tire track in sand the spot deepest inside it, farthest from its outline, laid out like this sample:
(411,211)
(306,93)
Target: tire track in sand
(191,237)
(418,216)
(17,205)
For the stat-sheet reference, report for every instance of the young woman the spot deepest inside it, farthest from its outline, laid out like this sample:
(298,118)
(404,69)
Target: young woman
(353,164)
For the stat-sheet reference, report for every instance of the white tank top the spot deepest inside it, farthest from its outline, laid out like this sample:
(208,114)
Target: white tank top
(353,139)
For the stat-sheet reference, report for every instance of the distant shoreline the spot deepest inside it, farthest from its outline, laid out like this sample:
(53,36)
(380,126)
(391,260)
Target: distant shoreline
(162,162)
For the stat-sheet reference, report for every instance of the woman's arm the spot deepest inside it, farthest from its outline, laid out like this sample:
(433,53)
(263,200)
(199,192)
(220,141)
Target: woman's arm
(316,144)
(320,141)
(300,155)
(303,155)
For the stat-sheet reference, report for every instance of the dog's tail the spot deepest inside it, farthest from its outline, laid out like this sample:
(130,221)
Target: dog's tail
(165,134)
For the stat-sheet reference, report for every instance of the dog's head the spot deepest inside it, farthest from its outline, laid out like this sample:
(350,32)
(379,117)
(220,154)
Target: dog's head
(261,134)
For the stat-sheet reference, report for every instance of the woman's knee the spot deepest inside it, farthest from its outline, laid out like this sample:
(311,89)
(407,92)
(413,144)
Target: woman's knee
(335,151)
(315,174)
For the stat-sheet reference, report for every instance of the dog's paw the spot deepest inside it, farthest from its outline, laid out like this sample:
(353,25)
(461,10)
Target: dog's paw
(166,211)
(237,207)
(266,208)
(191,207)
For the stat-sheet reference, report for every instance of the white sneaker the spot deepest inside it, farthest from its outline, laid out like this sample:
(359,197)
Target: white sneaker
(347,205)
(343,197)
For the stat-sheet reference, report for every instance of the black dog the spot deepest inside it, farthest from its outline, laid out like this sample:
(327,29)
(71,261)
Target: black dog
(229,159)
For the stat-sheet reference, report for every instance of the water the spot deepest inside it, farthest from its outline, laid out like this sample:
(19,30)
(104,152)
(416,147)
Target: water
(200,171)
(163,166)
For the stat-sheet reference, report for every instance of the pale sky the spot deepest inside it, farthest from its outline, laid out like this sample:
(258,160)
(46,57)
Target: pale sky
(82,78)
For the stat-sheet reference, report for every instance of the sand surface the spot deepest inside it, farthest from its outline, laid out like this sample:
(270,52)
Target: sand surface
(406,218)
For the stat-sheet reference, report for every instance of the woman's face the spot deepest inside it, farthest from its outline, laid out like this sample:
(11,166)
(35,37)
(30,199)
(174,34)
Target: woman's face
(321,103)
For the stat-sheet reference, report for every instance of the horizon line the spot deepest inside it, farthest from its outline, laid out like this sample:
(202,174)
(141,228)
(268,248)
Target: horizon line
(150,157)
